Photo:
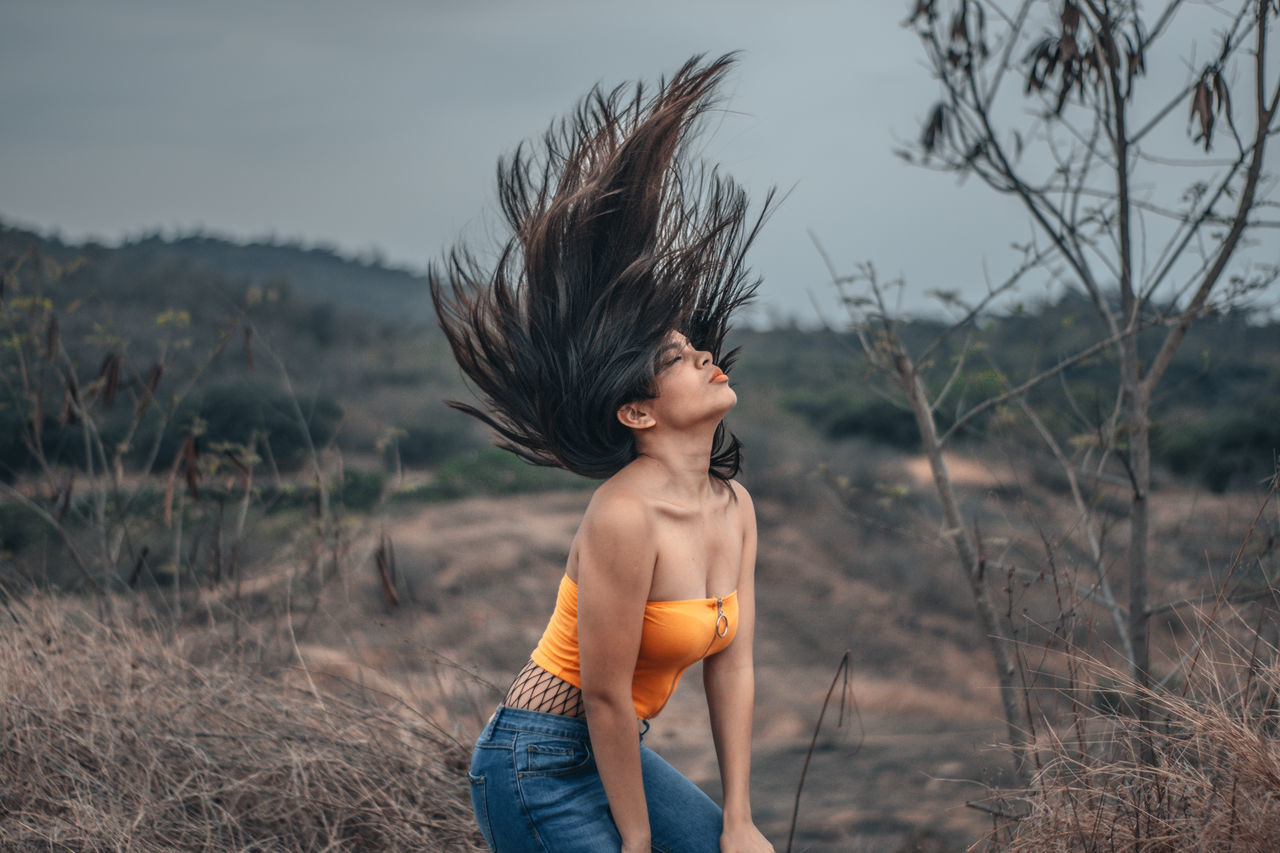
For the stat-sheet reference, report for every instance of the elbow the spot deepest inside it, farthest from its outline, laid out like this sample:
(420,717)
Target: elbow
(607,700)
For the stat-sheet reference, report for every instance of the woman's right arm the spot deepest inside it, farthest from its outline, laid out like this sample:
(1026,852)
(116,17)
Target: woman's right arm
(615,559)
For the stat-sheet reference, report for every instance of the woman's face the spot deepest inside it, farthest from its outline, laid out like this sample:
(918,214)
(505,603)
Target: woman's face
(688,388)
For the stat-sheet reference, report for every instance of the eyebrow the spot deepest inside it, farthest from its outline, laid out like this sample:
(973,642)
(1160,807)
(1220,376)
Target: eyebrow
(678,346)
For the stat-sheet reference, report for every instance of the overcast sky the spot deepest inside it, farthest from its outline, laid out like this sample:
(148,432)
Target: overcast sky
(377,125)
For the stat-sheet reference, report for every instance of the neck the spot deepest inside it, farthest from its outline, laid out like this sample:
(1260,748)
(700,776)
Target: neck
(684,459)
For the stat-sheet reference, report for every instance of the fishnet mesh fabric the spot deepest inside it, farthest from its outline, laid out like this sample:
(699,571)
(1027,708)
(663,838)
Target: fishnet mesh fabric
(535,689)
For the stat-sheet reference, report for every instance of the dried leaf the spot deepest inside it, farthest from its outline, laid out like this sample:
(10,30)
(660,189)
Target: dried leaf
(934,128)
(960,24)
(109,379)
(190,466)
(385,560)
(1067,48)
(1070,18)
(1043,58)
(925,8)
(51,339)
(1202,110)
(1223,96)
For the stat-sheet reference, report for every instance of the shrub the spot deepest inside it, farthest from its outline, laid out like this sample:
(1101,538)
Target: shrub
(1232,450)
(428,444)
(235,412)
(490,471)
(839,416)
(19,527)
(361,489)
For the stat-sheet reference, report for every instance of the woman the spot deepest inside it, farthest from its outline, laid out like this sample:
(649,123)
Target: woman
(595,345)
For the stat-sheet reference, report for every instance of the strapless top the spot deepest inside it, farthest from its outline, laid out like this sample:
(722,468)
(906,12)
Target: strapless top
(675,635)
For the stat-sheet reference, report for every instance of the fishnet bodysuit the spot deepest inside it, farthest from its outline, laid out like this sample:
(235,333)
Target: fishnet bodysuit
(535,689)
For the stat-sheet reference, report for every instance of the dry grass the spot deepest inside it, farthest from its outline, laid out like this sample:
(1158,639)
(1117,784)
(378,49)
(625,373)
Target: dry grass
(1214,786)
(110,739)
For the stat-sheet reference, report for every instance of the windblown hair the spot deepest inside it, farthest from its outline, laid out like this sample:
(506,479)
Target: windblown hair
(615,242)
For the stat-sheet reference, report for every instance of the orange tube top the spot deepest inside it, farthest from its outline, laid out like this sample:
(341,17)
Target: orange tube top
(675,635)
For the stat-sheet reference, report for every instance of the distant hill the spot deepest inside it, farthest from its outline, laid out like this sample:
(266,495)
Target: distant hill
(317,273)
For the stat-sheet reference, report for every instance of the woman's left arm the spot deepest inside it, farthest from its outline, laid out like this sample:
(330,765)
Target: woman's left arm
(729,679)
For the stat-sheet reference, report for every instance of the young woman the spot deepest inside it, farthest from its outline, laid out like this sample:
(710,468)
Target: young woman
(594,343)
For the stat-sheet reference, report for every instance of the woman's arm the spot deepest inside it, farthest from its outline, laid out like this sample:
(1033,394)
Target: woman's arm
(615,559)
(729,679)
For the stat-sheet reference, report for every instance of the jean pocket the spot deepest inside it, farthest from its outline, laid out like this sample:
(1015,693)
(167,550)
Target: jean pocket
(480,806)
(555,757)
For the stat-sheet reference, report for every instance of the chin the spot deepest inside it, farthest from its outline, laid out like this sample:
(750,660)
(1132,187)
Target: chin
(732,398)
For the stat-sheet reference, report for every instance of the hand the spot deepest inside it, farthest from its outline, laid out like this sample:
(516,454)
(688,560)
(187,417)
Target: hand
(644,846)
(744,838)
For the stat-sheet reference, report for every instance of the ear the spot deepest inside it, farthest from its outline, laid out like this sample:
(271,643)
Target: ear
(635,415)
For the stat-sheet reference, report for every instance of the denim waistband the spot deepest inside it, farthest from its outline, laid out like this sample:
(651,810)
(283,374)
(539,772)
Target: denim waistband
(557,725)
(522,720)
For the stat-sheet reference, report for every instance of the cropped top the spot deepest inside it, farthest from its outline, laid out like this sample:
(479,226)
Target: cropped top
(675,635)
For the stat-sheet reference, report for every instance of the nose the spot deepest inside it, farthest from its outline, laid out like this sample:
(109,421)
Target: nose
(704,358)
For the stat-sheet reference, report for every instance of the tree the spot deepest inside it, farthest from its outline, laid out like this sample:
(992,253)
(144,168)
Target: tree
(1087,163)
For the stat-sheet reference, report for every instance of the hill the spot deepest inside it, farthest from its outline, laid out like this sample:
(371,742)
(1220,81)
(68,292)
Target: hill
(315,273)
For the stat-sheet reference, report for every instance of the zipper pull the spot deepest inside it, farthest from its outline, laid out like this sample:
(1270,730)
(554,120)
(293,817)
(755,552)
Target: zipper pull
(722,621)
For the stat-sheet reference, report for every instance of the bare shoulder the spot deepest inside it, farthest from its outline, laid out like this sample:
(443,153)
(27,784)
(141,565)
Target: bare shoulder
(746,506)
(618,509)
(615,542)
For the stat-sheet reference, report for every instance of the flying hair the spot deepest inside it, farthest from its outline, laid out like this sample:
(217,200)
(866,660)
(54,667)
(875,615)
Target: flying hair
(615,241)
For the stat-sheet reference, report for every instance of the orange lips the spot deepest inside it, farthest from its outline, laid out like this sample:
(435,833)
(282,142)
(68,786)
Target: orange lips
(720,376)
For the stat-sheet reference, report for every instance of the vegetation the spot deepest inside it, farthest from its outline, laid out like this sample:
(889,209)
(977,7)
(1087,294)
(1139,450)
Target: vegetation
(1213,419)
(115,738)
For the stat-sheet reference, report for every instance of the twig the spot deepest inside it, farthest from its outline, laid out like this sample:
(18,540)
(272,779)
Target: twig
(841,670)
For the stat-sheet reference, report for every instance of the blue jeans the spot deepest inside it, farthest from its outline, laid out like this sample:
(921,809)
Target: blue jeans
(535,787)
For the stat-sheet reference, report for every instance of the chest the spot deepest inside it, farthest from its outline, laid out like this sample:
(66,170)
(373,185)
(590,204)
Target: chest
(699,554)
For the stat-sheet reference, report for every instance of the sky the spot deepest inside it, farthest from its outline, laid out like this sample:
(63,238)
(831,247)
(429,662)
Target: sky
(376,126)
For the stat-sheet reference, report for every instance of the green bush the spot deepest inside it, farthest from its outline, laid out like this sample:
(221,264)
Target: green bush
(428,444)
(19,527)
(490,471)
(361,489)
(235,412)
(14,456)
(1234,450)
(840,416)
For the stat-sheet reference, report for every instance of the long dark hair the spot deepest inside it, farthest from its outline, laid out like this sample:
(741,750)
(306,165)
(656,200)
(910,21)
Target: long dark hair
(616,240)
